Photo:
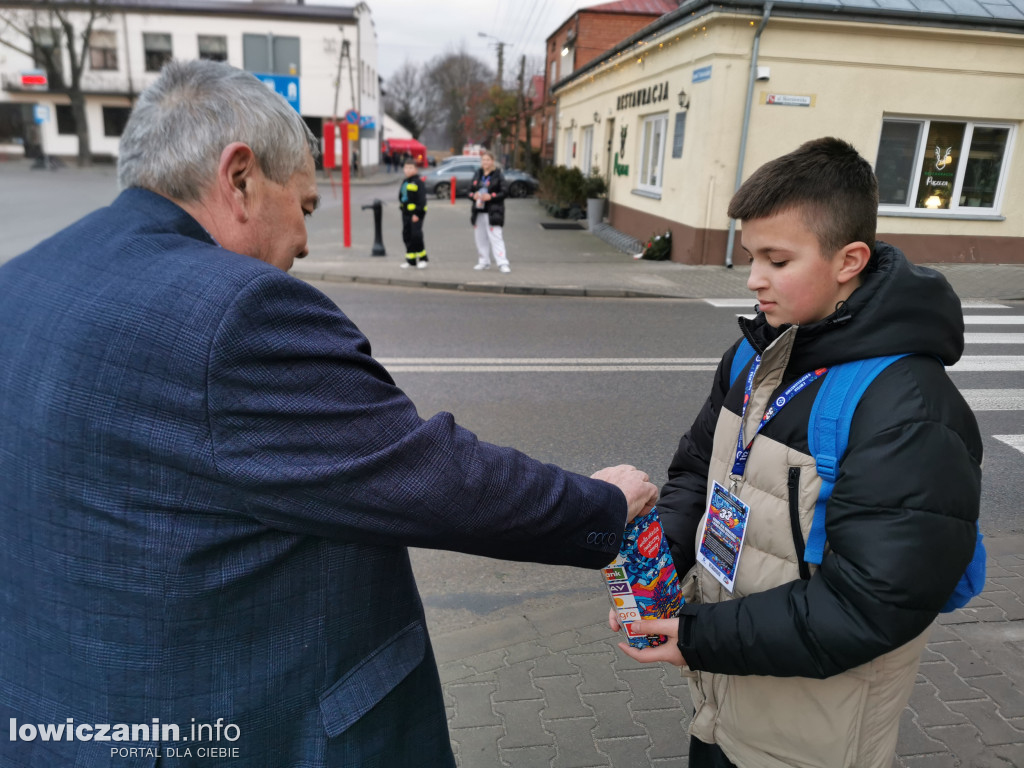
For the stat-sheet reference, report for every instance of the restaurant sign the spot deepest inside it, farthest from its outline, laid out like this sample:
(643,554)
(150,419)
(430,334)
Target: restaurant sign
(643,96)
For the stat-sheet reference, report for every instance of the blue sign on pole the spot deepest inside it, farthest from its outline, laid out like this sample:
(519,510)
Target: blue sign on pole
(41,113)
(352,117)
(367,122)
(701,74)
(286,85)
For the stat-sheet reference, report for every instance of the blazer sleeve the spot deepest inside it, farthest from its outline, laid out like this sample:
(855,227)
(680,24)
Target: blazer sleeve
(310,434)
(683,497)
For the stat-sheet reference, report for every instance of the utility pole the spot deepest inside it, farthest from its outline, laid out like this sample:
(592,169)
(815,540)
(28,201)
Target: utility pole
(501,56)
(520,112)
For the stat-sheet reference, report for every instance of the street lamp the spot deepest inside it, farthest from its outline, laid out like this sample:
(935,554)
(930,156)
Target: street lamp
(501,54)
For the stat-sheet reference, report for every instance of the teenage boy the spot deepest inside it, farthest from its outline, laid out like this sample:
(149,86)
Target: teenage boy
(412,197)
(794,664)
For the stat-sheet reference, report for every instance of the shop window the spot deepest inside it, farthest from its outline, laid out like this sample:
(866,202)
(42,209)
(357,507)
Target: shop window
(942,166)
(114,120)
(103,49)
(213,48)
(157,49)
(652,152)
(66,125)
(587,153)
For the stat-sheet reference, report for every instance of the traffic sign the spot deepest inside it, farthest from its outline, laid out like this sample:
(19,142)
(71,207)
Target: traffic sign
(353,132)
(352,117)
(285,85)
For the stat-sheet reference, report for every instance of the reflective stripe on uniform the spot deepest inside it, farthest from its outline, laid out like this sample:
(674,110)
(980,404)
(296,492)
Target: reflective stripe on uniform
(411,206)
(412,187)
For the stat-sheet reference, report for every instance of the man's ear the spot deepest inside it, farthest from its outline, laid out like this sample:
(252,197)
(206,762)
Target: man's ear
(853,259)
(235,177)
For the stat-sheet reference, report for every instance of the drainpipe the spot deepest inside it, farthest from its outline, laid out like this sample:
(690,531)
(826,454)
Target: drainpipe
(746,126)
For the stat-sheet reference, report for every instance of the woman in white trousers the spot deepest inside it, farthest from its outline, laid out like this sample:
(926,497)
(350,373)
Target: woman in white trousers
(488,217)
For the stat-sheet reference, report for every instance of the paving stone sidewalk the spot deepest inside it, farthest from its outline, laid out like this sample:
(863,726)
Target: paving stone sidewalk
(551,689)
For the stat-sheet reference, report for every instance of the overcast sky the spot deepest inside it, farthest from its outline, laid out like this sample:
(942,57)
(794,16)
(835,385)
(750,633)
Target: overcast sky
(418,31)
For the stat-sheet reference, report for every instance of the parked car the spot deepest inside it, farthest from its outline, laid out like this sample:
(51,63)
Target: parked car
(438,181)
(460,159)
(520,183)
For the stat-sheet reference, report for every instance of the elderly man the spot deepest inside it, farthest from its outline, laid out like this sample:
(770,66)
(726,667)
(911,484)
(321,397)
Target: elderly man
(207,484)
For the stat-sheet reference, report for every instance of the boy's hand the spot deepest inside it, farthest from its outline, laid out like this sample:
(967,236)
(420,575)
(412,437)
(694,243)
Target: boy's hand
(415,218)
(635,485)
(668,651)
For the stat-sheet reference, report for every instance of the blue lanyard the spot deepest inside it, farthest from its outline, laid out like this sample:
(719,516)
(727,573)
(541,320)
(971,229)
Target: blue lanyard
(743,453)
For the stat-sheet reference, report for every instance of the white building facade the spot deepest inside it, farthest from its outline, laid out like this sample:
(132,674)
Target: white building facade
(322,59)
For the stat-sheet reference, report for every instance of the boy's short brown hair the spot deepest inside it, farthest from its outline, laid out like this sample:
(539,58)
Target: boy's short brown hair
(826,178)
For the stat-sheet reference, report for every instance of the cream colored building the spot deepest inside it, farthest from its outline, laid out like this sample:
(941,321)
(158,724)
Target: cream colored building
(299,50)
(933,99)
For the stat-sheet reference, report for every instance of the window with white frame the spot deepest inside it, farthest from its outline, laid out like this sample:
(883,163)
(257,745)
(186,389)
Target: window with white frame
(157,49)
(213,47)
(103,49)
(652,152)
(587,150)
(569,154)
(942,166)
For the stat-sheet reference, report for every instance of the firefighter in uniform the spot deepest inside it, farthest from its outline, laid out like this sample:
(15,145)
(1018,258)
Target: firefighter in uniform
(412,198)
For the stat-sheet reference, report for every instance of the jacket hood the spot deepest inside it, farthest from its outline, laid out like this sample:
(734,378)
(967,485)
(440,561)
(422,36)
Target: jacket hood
(899,308)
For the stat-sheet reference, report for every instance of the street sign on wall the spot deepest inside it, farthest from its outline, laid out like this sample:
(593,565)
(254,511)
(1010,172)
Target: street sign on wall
(34,78)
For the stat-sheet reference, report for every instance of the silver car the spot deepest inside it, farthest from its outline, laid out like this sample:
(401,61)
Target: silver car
(439,181)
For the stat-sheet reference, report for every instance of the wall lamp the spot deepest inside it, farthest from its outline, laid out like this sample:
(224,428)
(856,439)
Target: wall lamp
(597,117)
(684,100)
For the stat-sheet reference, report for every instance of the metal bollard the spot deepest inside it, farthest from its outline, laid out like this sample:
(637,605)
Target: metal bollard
(378,240)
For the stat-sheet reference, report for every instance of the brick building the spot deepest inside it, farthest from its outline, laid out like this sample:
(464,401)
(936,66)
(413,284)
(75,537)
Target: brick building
(584,36)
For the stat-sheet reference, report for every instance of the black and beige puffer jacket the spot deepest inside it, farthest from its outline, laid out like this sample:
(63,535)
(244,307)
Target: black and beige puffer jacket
(807,666)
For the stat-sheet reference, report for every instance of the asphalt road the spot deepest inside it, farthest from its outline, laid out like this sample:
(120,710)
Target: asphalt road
(578,412)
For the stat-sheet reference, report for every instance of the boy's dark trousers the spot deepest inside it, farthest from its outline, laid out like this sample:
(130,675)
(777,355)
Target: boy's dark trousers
(412,234)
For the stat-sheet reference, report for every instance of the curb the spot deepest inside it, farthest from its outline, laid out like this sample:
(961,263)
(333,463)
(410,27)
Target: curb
(470,287)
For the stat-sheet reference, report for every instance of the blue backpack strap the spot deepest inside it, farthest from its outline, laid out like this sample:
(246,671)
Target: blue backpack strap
(828,432)
(973,580)
(743,355)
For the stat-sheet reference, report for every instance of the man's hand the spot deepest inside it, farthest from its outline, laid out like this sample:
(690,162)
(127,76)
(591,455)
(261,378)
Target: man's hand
(668,651)
(639,491)
(415,218)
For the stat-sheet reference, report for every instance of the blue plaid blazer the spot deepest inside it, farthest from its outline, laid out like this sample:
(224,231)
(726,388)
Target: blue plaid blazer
(207,486)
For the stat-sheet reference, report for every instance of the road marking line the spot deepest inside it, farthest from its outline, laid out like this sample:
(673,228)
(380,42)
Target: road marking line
(546,368)
(994,399)
(988,363)
(993,320)
(994,338)
(982,304)
(547,360)
(1014,441)
(732,302)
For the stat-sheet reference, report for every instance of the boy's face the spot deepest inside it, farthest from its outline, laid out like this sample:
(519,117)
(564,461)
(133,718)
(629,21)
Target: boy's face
(410,169)
(788,274)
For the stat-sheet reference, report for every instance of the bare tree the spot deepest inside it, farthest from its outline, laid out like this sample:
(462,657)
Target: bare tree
(458,84)
(43,33)
(408,100)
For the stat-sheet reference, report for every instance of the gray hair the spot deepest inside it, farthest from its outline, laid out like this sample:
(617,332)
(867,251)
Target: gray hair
(175,135)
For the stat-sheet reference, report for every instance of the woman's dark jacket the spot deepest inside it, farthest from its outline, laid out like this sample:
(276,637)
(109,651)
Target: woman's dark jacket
(900,521)
(495,207)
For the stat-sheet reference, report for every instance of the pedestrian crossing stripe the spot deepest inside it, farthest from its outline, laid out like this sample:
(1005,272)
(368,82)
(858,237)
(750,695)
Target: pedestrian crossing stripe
(1014,441)
(994,399)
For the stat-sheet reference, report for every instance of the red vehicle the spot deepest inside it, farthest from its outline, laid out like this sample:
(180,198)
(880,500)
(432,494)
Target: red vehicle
(410,147)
